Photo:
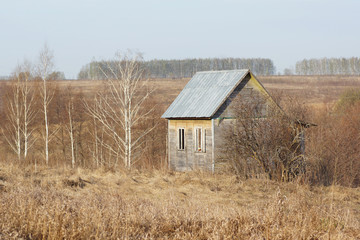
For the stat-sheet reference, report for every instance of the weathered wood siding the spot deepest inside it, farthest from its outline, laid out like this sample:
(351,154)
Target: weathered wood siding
(248,90)
(189,159)
(220,130)
(225,110)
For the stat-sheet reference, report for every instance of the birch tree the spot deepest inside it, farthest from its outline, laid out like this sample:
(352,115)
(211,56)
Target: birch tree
(20,112)
(69,125)
(28,106)
(45,68)
(119,109)
(70,129)
(12,128)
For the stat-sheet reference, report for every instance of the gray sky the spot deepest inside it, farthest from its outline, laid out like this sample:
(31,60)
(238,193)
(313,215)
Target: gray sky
(80,30)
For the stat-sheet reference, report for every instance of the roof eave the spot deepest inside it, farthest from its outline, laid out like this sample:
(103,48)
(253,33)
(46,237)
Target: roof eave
(187,118)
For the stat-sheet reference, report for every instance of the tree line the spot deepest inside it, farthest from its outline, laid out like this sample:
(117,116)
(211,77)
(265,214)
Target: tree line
(185,68)
(328,66)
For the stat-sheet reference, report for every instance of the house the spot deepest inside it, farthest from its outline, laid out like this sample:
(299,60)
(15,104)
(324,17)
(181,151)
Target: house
(198,115)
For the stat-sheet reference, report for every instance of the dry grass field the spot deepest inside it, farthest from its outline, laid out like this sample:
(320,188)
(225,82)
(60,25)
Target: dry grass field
(63,203)
(83,204)
(313,90)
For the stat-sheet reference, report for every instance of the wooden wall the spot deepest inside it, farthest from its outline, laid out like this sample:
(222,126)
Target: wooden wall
(189,159)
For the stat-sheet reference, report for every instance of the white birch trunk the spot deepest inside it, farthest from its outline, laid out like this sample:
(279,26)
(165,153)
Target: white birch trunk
(96,147)
(18,126)
(46,124)
(25,127)
(118,110)
(71,134)
(44,70)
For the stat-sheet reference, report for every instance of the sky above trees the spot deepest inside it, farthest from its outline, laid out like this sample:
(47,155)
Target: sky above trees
(79,31)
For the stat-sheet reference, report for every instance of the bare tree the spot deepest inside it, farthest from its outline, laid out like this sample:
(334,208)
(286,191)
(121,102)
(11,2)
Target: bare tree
(20,111)
(120,109)
(12,130)
(98,137)
(45,68)
(29,111)
(70,126)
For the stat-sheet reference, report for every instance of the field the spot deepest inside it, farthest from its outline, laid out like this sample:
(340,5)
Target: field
(101,204)
(313,90)
(107,203)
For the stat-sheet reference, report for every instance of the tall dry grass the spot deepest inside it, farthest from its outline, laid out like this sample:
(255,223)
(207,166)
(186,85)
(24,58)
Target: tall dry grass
(84,204)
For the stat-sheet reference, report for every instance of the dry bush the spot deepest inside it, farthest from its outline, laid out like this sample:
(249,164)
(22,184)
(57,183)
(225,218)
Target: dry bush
(333,146)
(153,154)
(263,140)
(78,204)
(347,99)
(331,149)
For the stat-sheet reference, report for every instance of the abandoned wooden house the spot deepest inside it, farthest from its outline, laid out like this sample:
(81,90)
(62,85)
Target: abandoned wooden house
(197,116)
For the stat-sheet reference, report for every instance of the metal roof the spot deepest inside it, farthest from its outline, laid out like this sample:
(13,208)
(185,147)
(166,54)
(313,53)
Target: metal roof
(204,94)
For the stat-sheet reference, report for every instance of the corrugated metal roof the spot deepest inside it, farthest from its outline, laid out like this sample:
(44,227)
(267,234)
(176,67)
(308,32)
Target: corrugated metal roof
(204,94)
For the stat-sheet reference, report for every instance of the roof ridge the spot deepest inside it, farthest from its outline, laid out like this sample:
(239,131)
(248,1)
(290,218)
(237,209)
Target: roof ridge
(216,71)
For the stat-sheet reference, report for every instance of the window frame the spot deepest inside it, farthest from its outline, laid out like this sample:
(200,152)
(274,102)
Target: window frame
(201,148)
(181,139)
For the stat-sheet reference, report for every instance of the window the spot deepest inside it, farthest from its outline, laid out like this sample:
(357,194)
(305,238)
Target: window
(181,139)
(199,140)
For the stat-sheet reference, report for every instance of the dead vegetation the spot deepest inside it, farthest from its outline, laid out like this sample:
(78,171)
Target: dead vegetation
(83,204)
(105,202)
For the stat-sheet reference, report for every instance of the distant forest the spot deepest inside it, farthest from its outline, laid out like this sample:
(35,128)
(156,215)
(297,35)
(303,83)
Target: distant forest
(328,66)
(185,68)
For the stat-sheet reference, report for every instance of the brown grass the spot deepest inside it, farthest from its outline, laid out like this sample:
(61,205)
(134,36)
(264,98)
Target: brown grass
(313,90)
(102,204)
(84,204)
